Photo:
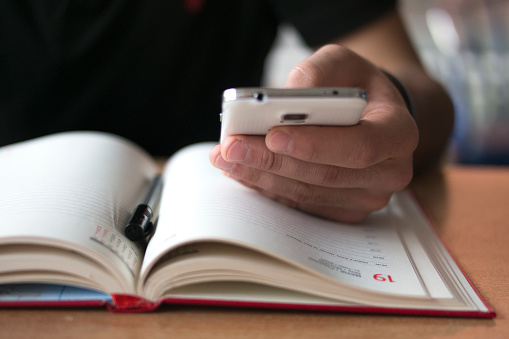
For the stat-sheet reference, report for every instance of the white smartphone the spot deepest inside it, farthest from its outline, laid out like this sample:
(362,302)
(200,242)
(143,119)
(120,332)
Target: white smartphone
(255,111)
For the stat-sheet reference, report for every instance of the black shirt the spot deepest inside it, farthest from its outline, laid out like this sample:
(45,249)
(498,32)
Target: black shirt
(150,70)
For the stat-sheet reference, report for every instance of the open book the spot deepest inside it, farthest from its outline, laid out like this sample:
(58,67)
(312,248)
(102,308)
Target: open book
(66,198)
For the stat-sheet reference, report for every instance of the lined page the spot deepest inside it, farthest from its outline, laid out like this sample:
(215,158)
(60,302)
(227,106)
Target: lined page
(200,204)
(75,190)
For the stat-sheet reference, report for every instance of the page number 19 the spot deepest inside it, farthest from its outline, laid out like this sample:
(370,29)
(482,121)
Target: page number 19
(383,277)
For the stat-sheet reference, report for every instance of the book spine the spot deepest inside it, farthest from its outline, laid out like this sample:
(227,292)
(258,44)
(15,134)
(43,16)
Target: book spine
(124,303)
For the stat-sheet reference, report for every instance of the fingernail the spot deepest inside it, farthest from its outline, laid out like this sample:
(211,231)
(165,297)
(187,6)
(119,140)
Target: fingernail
(279,142)
(223,164)
(238,151)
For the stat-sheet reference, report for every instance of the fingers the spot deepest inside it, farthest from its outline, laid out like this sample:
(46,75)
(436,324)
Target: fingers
(302,194)
(341,173)
(345,204)
(343,214)
(247,158)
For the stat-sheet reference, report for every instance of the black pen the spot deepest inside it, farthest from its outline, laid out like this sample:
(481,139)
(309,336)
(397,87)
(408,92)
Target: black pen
(141,226)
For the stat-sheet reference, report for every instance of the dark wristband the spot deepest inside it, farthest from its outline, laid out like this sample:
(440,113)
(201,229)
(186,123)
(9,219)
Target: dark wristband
(403,91)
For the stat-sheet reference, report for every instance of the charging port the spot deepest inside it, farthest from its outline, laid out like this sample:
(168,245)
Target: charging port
(294,118)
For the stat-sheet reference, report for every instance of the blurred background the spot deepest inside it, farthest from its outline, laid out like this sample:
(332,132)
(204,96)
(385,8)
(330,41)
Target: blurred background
(465,45)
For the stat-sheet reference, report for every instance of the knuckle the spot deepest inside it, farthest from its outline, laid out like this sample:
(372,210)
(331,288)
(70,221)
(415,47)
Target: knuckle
(302,194)
(406,143)
(347,216)
(246,174)
(366,154)
(306,150)
(405,178)
(284,200)
(378,147)
(355,218)
(306,71)
(368,157)
(269,161)
(400,179)
(331,176)
(379,202)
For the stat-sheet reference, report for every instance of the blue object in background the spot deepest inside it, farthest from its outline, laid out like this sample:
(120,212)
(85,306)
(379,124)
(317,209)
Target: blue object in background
(471,58)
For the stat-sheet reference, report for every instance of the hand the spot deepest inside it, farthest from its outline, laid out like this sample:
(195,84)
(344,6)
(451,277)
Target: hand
(339,173)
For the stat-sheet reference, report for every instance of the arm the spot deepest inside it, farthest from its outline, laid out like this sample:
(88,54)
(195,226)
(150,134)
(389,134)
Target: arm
(345,173)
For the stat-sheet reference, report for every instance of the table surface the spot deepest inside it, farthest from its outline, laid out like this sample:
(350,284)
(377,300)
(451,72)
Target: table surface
(470,206)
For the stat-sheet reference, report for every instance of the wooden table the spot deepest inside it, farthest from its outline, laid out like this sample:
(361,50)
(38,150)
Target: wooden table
(471,208)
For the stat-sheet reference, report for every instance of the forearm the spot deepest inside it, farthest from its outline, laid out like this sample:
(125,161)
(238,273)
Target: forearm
(434,115)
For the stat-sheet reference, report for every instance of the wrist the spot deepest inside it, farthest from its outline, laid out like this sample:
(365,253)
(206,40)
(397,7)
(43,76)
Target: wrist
(403,91)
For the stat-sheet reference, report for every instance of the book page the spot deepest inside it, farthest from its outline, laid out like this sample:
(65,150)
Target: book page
(75,191)
(200,204)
